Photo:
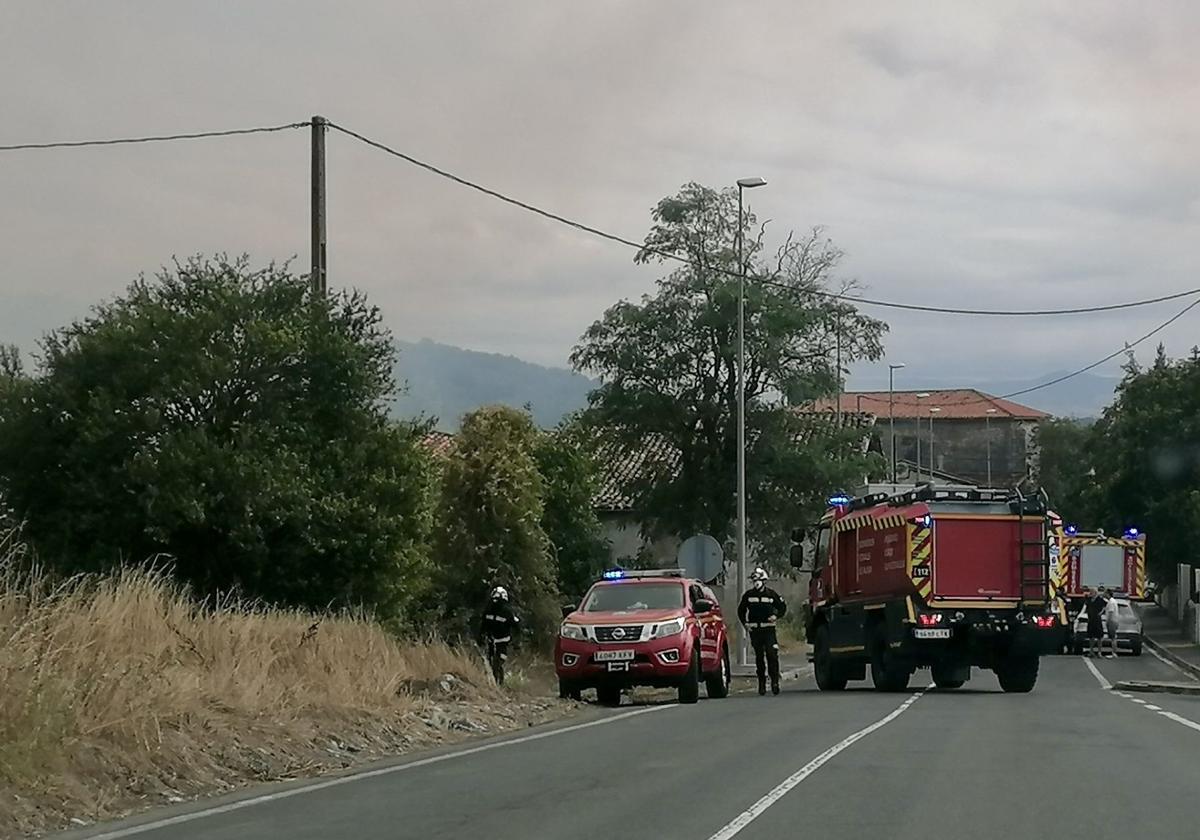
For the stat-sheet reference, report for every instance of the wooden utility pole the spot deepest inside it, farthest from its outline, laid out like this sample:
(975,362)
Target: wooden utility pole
(319,276)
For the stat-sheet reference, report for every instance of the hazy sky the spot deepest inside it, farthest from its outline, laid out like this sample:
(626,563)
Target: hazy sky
(980,154)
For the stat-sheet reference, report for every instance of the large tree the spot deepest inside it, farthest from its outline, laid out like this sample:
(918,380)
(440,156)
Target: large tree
(668,365)
(226,421)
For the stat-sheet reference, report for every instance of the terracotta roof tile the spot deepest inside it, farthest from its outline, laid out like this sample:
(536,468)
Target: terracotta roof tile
(954,404)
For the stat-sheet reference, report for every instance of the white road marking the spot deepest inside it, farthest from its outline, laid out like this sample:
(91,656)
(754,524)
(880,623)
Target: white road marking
(1190,724)
(366,774)
(1166,661)
(1105,684)
(752,813)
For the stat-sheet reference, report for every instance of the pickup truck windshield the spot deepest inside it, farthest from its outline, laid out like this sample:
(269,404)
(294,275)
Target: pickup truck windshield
(627,597)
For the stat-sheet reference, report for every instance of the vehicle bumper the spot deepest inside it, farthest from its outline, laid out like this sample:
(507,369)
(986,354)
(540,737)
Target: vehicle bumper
(575,663)
(977,637)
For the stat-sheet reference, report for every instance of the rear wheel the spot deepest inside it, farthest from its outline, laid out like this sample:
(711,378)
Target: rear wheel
(888,672)
(950,676)
(609,695)
(689,689)
(1018,674)
(824,668)
(716,685)
(1137,646)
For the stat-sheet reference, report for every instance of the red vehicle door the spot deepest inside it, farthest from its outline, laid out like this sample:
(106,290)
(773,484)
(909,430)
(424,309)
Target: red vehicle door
(712,627)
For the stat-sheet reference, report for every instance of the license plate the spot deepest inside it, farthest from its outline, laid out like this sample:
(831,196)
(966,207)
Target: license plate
(614,656)
(618,666)
(943,633)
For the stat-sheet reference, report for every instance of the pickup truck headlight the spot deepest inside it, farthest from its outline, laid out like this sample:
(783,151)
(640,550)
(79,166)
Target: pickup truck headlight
(669,628)
(573,631)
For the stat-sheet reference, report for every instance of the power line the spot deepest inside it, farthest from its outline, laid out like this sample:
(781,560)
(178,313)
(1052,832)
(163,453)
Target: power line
(612,237)
(155,138)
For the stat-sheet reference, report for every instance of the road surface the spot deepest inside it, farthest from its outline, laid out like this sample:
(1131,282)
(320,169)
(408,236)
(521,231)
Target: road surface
(1072,759)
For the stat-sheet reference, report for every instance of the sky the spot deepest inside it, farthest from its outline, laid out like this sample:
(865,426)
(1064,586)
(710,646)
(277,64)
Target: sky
(962,153)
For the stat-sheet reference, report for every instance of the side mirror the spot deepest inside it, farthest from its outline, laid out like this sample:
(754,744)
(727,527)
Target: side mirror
(798,557)
(799,535)
(702,606)
(568,609)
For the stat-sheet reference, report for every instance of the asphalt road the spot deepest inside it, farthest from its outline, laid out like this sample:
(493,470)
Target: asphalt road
(1069,760)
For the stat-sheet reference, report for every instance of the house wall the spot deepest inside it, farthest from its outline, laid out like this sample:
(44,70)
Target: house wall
(961,446)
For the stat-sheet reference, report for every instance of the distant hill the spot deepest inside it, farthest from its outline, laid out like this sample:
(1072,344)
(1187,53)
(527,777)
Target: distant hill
(446,382)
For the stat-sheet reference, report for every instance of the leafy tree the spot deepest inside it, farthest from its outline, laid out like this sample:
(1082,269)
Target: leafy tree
(568,518)
(1065,468)
(1146,455)
(489,527)
(668,365)
(225,418)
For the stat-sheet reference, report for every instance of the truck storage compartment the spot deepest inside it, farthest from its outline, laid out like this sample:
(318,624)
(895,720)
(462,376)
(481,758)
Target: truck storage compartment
(980,557)
(1102,565)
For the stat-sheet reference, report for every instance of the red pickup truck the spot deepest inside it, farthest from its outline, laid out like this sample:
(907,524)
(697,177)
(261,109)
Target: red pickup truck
(652,628)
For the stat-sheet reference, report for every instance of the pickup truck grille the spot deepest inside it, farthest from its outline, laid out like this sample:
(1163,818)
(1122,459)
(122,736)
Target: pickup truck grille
(621,633)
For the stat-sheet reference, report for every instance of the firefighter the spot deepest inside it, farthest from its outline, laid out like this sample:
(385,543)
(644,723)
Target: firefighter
(499,622)
(760,608)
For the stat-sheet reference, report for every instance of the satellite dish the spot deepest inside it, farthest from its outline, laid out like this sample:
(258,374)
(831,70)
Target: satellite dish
(701,557)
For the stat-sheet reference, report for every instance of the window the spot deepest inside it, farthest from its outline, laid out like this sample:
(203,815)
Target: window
(822,558)
(695,592)
(629,597)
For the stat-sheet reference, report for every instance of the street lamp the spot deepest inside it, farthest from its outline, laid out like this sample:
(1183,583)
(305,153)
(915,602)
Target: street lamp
(917,421)
(987,425)
(743,184)
(932,413)
(892,368)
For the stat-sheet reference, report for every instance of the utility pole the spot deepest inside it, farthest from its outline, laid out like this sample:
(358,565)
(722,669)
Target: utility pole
(318,278)
(839,370)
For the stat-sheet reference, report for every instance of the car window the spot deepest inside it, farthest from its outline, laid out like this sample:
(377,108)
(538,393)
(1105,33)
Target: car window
(627,597)
(695,592)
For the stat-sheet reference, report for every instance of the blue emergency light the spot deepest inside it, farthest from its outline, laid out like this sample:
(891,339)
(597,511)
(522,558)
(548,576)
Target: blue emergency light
(839,501)
(1132,532)
(1071,530)
(614,574)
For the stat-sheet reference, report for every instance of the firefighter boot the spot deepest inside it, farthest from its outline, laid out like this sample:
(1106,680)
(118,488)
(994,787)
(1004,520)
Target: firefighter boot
(762,686)
(774,686)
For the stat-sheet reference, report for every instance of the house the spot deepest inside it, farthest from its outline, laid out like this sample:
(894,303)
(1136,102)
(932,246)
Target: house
(961,432)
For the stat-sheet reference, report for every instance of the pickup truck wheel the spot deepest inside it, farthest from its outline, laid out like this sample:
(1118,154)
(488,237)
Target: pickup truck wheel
(1018,674)
(824,668)
(716,685)
(608,695)
(689,689)
(887,673)
(567,691)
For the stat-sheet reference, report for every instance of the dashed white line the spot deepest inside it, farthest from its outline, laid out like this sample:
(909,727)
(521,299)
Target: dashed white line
(366,774)
(1104,683)
(1159,710)
(1154,708)
(752,813)
(1190,724)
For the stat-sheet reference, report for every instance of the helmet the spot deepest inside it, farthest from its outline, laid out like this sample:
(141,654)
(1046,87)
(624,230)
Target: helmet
(758,574)
(499,594)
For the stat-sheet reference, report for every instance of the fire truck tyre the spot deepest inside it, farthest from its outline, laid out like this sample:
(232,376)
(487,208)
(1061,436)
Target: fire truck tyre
(567,691)
(824,668)
(1018,674)
(886,672)
(609,695)
(689,689)
(716,685)
(949,676)
(1137,646)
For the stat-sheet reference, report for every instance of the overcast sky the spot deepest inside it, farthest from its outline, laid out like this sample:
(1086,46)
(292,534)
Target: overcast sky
(1043,154)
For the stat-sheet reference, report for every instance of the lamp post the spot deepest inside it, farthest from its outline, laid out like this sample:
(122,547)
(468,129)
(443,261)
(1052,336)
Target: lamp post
(987,425)
(932,413)
(743,184)
(917,423)
(892,368)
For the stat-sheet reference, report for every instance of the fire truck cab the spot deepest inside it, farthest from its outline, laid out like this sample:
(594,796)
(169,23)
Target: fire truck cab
(945,578)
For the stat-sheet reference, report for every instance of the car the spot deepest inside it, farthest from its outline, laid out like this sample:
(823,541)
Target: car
(1129,630)
(643,628)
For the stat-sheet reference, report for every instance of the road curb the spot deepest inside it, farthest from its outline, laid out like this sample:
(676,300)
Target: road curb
(1156,687)
(1174,658)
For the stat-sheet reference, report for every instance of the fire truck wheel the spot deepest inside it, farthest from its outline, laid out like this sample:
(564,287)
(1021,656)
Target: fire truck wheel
(887,673)
(609,695)
(824,669)
(1018,674)
(689,689)
(716,685)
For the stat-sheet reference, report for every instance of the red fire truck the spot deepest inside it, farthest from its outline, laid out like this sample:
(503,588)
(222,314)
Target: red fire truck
(945,578)
(1094,559)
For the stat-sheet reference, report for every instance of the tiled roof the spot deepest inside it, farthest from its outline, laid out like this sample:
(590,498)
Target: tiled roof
(954,404)
(438,443)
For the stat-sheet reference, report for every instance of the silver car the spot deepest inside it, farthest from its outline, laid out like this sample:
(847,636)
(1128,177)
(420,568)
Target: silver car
(1129,630)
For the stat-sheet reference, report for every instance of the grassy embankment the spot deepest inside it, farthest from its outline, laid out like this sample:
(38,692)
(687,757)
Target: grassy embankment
(120,693)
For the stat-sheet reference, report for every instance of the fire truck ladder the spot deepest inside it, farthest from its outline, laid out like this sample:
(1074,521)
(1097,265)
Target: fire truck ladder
(1034,554)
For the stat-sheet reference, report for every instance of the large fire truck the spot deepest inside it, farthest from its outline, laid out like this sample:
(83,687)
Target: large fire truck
(945,578)
(1094,559)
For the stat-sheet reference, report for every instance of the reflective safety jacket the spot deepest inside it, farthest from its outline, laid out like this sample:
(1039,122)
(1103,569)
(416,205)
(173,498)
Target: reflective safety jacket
(499,619)
(759,607)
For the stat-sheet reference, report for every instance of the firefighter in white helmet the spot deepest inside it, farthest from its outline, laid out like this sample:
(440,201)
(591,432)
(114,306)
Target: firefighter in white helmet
(499,622)
(760,608)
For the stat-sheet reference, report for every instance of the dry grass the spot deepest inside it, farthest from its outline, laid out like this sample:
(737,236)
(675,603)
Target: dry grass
(120,693)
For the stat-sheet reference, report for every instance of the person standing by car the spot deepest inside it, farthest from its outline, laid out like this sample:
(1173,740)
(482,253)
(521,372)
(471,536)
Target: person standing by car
(1093,606)
(760,608)
(499,621)
(1112,621)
